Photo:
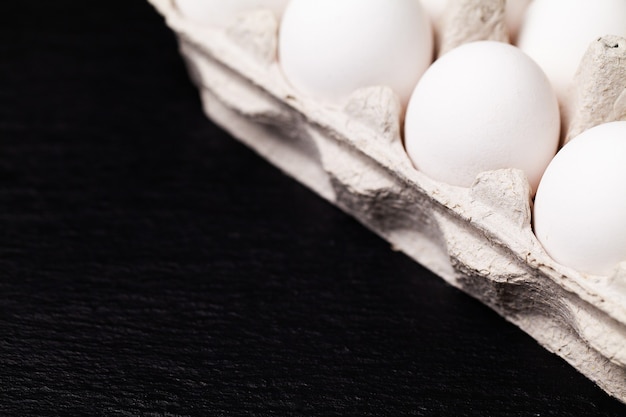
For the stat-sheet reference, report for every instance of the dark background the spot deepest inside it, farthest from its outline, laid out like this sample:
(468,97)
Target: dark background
(152,265)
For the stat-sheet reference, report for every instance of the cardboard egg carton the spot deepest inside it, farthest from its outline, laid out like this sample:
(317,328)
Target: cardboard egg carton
(478,239)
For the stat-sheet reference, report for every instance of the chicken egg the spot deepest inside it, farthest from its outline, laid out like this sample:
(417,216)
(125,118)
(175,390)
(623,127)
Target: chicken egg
(482,106)
(580,206)
(329,48)
(220,13)
(556,34)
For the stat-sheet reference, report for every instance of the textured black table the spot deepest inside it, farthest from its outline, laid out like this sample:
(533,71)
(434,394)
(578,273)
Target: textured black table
(151,265)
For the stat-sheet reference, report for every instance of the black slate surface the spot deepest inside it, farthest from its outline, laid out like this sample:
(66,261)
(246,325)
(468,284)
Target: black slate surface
(151,265)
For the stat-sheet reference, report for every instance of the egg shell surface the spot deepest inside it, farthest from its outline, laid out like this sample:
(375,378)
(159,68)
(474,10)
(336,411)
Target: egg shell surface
(557,33)
(483,106)
(330,48)
(580,206)
(219,13)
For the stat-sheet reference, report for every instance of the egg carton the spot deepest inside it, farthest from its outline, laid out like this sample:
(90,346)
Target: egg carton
(478,239)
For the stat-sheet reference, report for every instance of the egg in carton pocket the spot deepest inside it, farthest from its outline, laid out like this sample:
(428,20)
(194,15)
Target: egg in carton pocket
(347,145)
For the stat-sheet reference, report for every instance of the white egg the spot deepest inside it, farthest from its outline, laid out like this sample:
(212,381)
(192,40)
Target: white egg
(220,13)
(329,48)
(556,33)
(580,206)
(483,106)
